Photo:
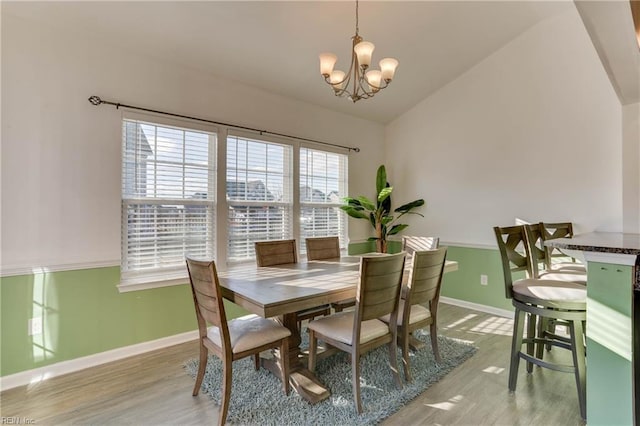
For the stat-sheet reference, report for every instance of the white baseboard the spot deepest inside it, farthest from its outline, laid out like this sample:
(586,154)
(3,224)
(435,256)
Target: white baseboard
(477,307)
(65,367)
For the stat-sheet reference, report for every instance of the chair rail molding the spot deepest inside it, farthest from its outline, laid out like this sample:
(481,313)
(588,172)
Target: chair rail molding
(36,268)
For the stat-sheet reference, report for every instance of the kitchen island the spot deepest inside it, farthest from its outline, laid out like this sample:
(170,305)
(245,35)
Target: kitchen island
(613,332)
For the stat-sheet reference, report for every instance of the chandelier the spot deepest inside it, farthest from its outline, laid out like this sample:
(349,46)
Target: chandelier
(364,84)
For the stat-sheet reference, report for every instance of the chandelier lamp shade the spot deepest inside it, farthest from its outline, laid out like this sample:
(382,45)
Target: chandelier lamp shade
(359,82)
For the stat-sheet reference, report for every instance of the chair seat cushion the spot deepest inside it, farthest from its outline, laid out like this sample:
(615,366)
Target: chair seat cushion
(565,276)
(340,327)
(249,332)
(568,267)
(418,313)
(550,290)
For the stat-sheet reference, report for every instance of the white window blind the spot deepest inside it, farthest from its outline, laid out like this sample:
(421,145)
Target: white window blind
(168,199)
(259,194)
(323,185)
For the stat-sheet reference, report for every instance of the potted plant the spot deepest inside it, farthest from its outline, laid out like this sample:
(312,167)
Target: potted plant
(379,214)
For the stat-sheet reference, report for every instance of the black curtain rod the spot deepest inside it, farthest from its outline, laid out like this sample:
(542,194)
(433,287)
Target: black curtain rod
(95,100)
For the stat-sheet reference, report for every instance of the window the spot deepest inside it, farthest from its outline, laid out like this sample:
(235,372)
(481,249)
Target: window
(168,199)
(259,194)
(172,181)
(323,185)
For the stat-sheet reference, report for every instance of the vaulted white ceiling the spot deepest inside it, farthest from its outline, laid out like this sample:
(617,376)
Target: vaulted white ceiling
(275,45)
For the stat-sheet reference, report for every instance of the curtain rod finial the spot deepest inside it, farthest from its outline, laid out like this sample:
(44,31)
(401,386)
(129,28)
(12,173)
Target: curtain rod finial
(95,100)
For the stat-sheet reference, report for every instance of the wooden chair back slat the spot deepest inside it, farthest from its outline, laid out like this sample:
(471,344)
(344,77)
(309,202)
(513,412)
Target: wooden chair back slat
(552,231)
(425,276)
(537,252)
(379,287)
(412,243)
(276,252)
(207,295)
(320,248)
(511,245)
(557,230)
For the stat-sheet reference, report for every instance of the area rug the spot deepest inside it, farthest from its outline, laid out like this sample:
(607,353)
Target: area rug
(257,397)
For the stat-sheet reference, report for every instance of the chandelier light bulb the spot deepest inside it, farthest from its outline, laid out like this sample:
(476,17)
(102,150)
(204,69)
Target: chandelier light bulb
(327,62)
(337,79)
(388,67)
(364,50)
(374,78)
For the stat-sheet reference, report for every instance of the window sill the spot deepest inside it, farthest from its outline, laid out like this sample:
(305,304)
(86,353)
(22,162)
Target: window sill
(151,282)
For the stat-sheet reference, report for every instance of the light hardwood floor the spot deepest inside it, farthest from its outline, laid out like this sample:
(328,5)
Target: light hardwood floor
(152,388)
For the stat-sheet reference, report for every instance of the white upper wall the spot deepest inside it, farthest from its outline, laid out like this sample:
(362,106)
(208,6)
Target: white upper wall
(531,132)
(61,163)
(630,169)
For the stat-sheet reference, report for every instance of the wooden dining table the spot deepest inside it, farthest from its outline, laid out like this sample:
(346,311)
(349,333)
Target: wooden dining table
(281,291)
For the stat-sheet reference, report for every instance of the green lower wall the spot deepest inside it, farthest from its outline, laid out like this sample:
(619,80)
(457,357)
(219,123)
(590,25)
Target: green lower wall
(464,284)
(83,312)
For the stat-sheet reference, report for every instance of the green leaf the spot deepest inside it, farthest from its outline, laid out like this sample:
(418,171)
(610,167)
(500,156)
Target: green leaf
(387,219)
(386,204)
(409,206)
(351,201)
(352,206)
(397,228)
(353,212)
(381,179)
(366,203)
(372,239)
(384,194)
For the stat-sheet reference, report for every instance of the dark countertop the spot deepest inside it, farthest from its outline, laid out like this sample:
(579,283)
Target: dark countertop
(603,242)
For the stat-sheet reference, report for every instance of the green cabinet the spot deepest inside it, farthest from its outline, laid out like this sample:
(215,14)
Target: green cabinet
(610,344)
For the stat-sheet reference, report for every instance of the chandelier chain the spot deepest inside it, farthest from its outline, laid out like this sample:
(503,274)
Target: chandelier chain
(357,29)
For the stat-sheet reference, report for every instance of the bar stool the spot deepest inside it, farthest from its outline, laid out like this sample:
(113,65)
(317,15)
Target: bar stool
(540,263)
(552,231)
(547,300)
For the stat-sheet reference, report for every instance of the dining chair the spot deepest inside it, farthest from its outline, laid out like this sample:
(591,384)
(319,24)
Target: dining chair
(419,308)
(276,252)
(539,258)
(358,331)
(234,339)
(411,243)
(544,300)
(282,252)
(324,248)
(552,231)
